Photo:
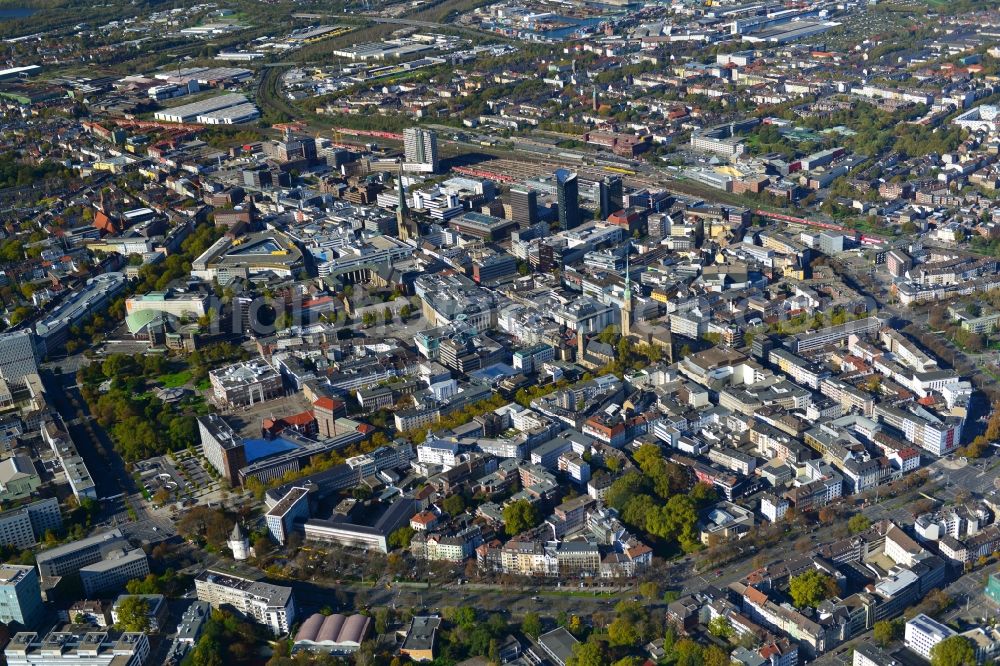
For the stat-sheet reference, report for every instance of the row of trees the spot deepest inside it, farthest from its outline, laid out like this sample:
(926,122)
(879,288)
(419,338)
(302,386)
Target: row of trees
(458,418)
(169,583)
(980,446)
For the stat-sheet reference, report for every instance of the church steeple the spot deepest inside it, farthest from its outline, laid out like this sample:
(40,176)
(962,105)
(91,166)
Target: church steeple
(402,213)
(627,300)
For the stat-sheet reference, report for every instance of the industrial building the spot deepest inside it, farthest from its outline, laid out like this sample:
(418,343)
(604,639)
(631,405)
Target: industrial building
(338,635)
(203,108)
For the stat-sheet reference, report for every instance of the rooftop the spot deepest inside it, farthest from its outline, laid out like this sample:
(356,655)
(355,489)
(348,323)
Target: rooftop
(421,633)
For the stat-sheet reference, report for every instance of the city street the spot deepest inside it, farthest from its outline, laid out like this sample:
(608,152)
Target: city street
(513,602)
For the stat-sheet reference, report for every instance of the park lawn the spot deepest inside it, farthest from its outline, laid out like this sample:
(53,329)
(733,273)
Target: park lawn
(175,379)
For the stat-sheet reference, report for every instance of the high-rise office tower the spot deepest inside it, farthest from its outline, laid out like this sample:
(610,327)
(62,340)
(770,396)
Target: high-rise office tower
(568,195)
(420,147)
(20,595)
(524,206)
(611,195)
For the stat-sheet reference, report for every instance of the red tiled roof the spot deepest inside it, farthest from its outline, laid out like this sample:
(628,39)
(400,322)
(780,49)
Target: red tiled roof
(755,596)
(769,650)
(327,403)
(315,302)
(105,223)
(302,418)
(424,518)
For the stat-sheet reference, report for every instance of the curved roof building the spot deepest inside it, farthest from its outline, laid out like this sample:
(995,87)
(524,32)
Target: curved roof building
(333,634)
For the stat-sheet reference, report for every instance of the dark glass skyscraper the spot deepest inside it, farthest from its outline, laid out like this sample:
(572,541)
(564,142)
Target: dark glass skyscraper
(611,195)
(568,195)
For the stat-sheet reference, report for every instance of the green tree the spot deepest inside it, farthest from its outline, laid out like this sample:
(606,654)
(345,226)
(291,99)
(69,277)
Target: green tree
(453,504)
(133,614)
(858,523)
(715,656)
(623,633)
(703,494)
(953,651)
(20,313)
(885,631)
(720,627)
(688,653)
(148,585)
(649,589)
(519,516)
(207,653)
(667,478)
(531,625)
(629,661)
(401,537)
(383,618)
(465,617)
(624,489)
(591,653)
(810,588)
(609,335)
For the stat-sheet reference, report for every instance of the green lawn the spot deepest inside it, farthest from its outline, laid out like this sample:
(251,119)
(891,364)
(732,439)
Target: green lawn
(175,379)
(203,385)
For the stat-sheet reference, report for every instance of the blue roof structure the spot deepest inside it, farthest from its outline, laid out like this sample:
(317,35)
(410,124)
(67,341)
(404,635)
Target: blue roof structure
(264,448)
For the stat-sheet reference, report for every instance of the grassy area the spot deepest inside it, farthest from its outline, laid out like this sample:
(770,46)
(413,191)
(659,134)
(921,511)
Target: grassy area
(203,385)
(175,379)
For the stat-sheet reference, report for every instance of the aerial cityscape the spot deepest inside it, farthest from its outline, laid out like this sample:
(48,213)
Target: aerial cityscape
(482,332)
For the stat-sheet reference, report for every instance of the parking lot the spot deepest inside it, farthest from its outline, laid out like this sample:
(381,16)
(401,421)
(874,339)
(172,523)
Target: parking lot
(181,474)
(190,468)
(158,474)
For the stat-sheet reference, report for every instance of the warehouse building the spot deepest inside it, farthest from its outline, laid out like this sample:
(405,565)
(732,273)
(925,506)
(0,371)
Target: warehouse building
(189,113)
